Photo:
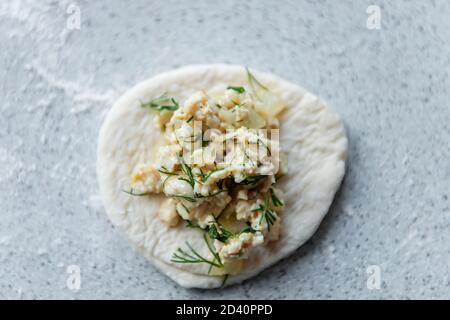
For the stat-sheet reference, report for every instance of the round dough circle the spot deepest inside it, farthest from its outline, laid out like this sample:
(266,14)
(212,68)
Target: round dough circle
(310,132)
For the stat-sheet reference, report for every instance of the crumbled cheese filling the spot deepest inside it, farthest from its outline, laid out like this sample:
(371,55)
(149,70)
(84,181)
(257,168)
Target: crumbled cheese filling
(218,168)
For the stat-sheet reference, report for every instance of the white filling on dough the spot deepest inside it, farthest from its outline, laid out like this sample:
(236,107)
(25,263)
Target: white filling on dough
(218,168)
(131,144)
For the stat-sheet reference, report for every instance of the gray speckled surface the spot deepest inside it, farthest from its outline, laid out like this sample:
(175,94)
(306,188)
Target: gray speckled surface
(391,87)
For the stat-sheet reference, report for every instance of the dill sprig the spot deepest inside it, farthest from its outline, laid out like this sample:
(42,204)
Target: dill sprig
(237,105)
(275,200)
(199,196)
(237,89)
(190,224)
(252,80)
(166,171)
(218,232)
(225,278)
(191,139)
(161,103)
(187,171)
(192,256)
(187,198)
(255,84)
(268,216)
(252,180)
(266,213)
(248,229)
(136,194)
(265,145)
(205,143)
(206,175)
(196,195)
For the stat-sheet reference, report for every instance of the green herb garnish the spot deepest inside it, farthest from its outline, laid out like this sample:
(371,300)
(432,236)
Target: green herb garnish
(275,200)
(198,195)
(225,278)
(265,145)
(181,256)
(187,198)
(266,213)
(136,194)
(161,103)
(252,80)
(166,171)
(248,229)
(206,175)
(217,232)
(237,89)
(190,224)
(252,180)
(187,171)
(255,84)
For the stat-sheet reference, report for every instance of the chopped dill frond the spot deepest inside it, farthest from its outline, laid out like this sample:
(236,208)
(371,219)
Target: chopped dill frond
(225,278)
(190,224)
(190,119)
(166,171)
(275,200)
(255,84)
(196,195)
(265,145)
(248,229)
(192,256)
(205,143)
(187,171)
(206,175)
(252,80)
(199,196)
(136,194)
(237,89)
(266,213)
(161,103)
(252,180)
(191,139)
(218,232)
(187,198)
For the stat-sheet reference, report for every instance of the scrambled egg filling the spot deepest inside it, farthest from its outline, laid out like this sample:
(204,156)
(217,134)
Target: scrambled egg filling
(218,168)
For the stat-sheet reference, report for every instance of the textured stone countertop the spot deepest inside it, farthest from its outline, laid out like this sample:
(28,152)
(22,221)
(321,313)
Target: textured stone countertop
(390,221)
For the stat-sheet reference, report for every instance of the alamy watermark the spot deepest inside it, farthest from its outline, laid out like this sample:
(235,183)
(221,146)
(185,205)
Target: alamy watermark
(374,17)
(374,279)
(74,20)
(73,280)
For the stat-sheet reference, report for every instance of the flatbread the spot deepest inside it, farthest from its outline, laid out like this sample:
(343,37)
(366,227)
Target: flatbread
(310,132)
